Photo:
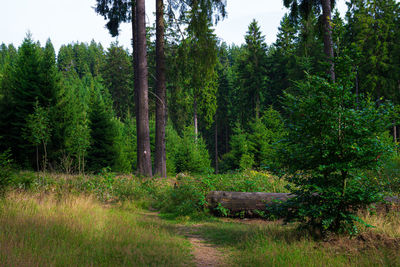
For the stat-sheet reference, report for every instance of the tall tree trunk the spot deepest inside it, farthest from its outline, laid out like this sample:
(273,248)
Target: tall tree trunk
(142,116)
(196,131)
(45,157)
(257,106)
(37,158)
(328,42)
(216,144)
(160,167)
(83,164)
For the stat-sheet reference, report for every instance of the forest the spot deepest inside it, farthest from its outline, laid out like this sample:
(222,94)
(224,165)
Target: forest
(159,125)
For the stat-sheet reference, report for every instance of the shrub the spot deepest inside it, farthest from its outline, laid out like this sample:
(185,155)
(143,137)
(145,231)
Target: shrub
(332,137)
(189,195)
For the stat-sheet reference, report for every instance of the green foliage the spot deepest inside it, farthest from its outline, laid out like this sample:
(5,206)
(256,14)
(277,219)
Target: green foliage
(372,35)
(257,147)
(252,72)
(388,176)
(239,157)
(5,170)
(125,145)
(188,197)
(190,154)
(332,137)
(37,129)
(102,152)
(117,73)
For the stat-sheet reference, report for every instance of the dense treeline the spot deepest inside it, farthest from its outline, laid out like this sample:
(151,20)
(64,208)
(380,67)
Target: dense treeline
(73,110)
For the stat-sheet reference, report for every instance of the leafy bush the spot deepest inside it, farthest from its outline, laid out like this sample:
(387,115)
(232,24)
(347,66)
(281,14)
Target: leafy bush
(188,197)
(332,137)
(388,176)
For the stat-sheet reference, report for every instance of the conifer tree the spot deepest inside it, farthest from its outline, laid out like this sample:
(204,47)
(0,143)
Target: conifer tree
(101,152)
(253,72)
(304,8)
(118,78)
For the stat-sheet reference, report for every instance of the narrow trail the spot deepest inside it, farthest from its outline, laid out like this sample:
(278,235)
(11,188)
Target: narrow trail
(205,254)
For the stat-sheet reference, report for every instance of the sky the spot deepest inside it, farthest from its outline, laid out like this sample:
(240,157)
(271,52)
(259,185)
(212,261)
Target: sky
(66,21)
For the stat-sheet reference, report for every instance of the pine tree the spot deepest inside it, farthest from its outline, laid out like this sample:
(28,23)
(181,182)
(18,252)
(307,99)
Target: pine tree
(103,132)
(253,72)
(117,74)
(23,89)
(306,7)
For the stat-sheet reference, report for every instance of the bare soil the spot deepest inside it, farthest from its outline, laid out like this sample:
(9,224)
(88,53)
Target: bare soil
(205,254)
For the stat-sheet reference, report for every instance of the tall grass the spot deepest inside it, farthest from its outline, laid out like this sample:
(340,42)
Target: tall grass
(43,230)
(272,244)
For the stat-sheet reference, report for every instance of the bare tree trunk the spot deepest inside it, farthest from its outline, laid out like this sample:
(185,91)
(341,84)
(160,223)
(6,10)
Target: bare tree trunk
(357,93)
(45,157)
(83,164)
(216,144)
(160,167)
(196,130)
(328,42)
(37,159)
(135,76)
(142,117)
(257,106)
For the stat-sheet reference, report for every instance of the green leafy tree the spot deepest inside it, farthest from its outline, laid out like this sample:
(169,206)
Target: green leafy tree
(37,131)
(331,139)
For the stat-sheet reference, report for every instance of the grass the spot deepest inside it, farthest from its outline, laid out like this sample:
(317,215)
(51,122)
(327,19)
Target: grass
(271,244)
(41,230)
(59,220)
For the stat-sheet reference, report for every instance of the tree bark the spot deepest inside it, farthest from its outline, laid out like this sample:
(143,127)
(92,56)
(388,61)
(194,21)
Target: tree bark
(196,131)
(328,42)
(251,202)
(216,144)
(247,202)
(141,88)
(160,167)
(37,158)
(45,157)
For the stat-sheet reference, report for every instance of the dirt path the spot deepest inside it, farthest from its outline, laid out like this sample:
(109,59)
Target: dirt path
(205,254)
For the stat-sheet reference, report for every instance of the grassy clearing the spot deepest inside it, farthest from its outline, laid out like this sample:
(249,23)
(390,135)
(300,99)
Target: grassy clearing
(41,230)
(59,220)
(271,244)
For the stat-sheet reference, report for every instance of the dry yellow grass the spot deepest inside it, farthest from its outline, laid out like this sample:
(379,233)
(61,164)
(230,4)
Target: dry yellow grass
(41,230)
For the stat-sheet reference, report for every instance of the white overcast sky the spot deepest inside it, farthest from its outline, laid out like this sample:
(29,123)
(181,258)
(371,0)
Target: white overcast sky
(66,21)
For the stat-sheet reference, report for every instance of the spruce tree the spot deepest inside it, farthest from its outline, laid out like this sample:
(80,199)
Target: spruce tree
(103,132)
(118,78)
(253,72)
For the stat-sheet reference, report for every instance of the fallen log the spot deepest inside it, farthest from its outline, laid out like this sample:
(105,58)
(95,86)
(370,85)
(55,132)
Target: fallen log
(249,204)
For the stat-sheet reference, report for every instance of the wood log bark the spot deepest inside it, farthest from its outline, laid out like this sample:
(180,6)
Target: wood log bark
(248,203)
